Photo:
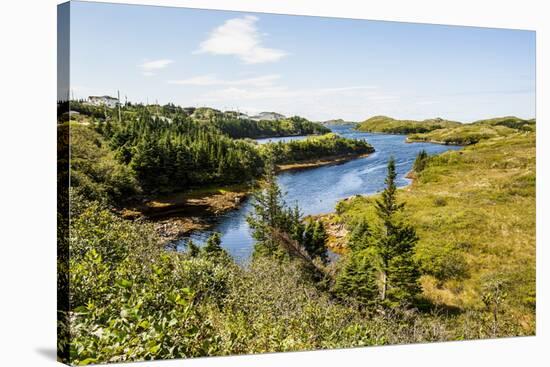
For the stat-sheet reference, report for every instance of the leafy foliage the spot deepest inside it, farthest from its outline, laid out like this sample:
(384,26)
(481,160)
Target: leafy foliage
(95,171)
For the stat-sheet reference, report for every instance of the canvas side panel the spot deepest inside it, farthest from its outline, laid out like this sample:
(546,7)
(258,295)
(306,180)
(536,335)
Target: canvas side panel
(63,160)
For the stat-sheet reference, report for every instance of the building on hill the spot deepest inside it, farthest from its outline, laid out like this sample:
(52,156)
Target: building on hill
(103,100)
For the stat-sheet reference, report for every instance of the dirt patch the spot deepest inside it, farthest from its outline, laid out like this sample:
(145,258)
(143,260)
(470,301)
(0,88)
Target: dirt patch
(177,215)
(337,232)
(171,229)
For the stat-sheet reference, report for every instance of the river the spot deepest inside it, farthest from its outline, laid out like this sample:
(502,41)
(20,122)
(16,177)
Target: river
(317,190)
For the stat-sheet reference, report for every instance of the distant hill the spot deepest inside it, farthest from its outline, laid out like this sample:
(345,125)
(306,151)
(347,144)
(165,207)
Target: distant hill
(205,113)
(474,132)
(337,122)
(267,116)
(385,124)
(508,121)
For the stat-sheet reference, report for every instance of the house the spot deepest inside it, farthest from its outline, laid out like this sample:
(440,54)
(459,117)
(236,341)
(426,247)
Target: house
(103,100)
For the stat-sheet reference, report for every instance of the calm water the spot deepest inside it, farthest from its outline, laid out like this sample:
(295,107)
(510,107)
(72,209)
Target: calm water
(317,190)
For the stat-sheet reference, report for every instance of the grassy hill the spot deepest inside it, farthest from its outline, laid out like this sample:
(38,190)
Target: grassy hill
(509,121)
(338,122)
(474,211)
(467,134)
(388,125)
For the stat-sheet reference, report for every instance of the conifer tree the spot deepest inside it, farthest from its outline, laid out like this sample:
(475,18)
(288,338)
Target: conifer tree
(315,239)
(213,244)
(380,267)
(214,251)
(359,277)
(395,243)
(420,161)
(268,213)
(192,249)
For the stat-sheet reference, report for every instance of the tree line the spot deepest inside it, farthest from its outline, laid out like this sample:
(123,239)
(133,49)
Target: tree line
(161,149)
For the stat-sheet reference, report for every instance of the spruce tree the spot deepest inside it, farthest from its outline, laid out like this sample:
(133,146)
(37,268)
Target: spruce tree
(380,267)
(420,161)
(359,277)
(214,251)
(213,244)
(395,243)
(192,249)
(319,242)
(268,213)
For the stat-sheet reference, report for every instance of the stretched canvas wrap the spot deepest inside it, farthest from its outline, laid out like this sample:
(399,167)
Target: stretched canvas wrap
(239,183)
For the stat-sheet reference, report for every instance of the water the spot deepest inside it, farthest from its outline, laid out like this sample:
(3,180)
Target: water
(316,191)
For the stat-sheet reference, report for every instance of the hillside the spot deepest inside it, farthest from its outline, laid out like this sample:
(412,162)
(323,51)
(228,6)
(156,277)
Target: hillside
(338,122)
(467,134)
(388,125)
(268,116)
(509,121)
(474,212)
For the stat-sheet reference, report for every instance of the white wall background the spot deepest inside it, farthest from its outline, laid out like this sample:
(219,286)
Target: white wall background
(27,180)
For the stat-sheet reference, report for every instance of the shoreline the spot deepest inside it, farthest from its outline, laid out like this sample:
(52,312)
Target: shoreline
(177,215)
(336,230)
(320,162)
(456,144)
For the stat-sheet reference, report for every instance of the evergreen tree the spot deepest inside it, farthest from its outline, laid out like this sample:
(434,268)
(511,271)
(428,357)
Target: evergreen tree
(421,161)
(320,238)
(395,243)
(381,256)
(315,240)
(214,251)
(269,214)
(359,277)
(213,244)
(297,228)
(192,249)
(360,235)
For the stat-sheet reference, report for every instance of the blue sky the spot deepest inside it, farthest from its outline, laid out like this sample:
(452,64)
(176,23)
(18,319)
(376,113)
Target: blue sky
(319,68)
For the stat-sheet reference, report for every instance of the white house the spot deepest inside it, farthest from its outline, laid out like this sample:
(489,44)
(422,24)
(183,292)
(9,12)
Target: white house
(103,100)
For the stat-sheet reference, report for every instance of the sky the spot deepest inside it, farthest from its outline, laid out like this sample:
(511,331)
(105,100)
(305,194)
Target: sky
(315,67)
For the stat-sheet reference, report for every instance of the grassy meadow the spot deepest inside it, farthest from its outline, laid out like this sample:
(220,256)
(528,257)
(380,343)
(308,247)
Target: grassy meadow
(474,212)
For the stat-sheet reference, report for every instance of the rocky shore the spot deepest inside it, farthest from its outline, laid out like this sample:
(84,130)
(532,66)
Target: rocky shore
(177,215)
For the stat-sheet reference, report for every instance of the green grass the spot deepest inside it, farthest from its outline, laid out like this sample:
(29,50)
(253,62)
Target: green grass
(384,124)
(474,208)
(477,131)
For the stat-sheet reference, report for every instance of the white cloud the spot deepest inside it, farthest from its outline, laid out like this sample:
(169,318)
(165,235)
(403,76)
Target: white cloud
(148,68)
(212,80)
(240,37)
(243,92)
